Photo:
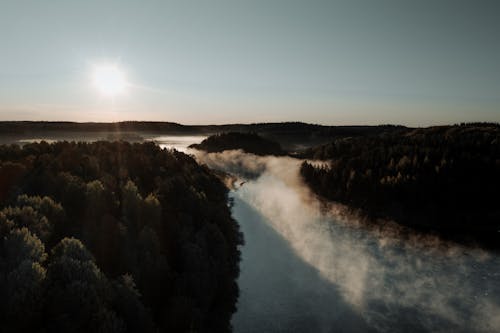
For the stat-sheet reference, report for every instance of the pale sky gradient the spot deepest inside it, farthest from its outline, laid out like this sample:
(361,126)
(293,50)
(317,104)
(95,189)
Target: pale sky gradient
(332,62)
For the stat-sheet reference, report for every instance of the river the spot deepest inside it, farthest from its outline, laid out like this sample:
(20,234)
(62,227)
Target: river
(309,268)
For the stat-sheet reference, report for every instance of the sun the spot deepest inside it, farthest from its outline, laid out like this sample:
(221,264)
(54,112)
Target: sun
(109,79)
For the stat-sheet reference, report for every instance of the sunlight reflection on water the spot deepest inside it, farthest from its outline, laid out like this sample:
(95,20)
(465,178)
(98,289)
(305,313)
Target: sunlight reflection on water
(181,143)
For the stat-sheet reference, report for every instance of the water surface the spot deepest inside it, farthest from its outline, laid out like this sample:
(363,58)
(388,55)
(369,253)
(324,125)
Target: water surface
(309,268)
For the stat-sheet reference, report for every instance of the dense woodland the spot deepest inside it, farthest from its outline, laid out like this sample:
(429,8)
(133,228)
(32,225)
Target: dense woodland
(113,237)
(445,179)
(248,142)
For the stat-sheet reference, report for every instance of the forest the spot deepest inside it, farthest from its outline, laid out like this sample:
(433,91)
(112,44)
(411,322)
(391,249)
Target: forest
(248,142)
(444,179)
(114,237)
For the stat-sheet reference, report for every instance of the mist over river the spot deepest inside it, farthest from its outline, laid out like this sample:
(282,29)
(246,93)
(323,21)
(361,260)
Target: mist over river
(306,267)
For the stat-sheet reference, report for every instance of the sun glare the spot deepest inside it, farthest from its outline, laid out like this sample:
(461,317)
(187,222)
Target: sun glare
(109,80)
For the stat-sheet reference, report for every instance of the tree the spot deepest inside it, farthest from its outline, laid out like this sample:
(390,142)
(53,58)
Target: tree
(21,280)
(77,296)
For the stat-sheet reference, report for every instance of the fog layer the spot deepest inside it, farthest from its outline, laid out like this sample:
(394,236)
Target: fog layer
(391,278)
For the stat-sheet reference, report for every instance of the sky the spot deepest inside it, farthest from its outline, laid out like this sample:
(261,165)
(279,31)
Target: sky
(416,63)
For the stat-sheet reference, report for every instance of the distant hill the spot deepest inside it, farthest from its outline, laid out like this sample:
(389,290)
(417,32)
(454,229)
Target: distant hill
(291,135)
(444,179)
(248,142)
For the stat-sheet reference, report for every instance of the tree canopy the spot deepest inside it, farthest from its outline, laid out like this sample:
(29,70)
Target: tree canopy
(248,142)
(114,237)
(444,179)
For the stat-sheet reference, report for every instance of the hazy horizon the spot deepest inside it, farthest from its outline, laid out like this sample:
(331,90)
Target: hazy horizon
(245,123)
(325,62)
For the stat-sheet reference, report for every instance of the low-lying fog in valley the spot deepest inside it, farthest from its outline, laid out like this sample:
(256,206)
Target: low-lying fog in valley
(310,267)
(179,142)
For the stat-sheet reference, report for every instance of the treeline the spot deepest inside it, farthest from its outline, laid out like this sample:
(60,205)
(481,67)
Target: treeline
(445,179)
(248,142)
(40,127)
(291,135)
(114,237)
(281,128)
